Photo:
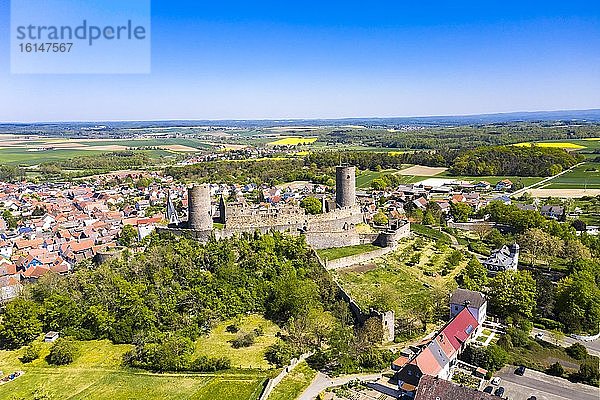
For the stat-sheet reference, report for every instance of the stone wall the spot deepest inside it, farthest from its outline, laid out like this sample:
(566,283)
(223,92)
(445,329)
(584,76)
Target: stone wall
(326,240)
(357,259)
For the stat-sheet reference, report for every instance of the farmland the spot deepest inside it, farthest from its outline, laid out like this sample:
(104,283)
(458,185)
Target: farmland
(586,175)
(32,150)
(560,145)
(293,141)
(97,374)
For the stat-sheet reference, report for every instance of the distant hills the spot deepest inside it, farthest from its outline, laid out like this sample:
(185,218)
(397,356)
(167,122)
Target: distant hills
(567,116)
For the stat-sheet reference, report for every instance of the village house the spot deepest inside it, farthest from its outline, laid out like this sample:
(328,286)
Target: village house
(505,258)
(438,356)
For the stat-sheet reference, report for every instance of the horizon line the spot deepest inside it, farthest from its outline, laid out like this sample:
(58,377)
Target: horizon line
(304,119)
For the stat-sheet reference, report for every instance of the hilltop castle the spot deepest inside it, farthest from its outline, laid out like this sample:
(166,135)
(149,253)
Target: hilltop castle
(335,227)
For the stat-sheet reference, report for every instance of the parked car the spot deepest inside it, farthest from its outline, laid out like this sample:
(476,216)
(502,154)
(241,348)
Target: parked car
(499,392)
(495,381)
(488,389)
(520,370)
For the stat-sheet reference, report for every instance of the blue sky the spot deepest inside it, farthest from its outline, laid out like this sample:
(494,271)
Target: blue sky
(276,59)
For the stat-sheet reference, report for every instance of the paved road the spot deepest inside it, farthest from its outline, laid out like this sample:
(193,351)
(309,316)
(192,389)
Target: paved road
(544,387)
(593,347)
(540,183)
(322,382)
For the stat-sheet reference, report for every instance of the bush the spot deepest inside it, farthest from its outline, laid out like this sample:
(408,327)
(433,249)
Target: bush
(556,369)
(32,352)
(233,328)
(279,353)
(63,351)
(589,371)
(243,340)
(577,351)
(549,324)
(210,364)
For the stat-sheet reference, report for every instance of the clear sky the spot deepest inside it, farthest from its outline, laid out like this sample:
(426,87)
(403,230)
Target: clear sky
(328,59)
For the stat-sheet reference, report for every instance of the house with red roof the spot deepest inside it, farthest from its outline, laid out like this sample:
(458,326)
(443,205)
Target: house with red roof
(438,356)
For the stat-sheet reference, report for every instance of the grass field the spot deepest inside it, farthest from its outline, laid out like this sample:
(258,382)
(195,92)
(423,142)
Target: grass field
(585,175)
(365,178)
(404,278)
(294,383)
(97,374)
(293,141)
(339,252)
(217,344)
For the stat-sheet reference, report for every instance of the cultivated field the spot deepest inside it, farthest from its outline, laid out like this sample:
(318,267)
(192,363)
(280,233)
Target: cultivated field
(97,374)
(293,141)
(561,145)
(583,180)
(421,170)
(32,150)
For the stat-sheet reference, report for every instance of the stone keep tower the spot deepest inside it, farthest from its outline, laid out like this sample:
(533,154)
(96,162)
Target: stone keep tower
(199,208)
(345,186)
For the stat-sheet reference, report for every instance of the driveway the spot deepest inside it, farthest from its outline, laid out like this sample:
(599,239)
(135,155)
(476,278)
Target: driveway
(592,347)
(322,382)
(544,387)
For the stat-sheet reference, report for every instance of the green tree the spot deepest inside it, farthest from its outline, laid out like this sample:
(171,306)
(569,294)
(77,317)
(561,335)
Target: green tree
(589,371)
(380,218)
(577,351)
(428,218)
(512,293)
(556,369)
(474,276)
(311,205)
(128,236)
(63,351)
(461,211)
(19,323)
(578,302)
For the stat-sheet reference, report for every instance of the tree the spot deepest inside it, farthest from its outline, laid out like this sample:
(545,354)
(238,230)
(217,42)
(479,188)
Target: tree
(311,205)
(279,353)
(589,371)
(128,236)
(380,218)
(578,302)
(19,323)
(556,369)
(538,243)
(482,229)
(379,184)
(513,293)
(461,211)
(63,351)
(575,250)
(428,218)
(31,353)
(577,351)
(545,296)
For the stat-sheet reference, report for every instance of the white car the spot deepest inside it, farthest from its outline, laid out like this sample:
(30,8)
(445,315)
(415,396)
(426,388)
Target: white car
(495,381)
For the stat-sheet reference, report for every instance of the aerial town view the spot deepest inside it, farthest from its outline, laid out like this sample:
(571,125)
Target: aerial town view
(332,201)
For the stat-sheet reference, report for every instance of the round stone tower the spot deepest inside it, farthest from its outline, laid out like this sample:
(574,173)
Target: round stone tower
(199,208)
(345,186)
